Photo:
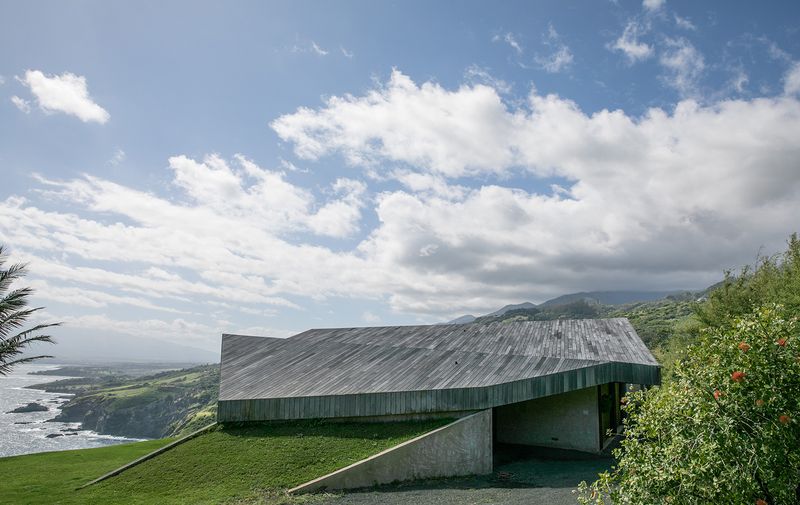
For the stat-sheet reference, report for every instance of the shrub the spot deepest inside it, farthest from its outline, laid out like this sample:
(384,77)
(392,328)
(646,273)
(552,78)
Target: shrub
(724,430)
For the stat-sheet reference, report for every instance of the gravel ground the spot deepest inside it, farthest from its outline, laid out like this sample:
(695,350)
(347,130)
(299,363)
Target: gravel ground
(528,481)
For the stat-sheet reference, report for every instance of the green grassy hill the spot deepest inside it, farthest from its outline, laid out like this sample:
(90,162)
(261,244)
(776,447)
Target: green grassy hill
(169,403)
(252,463)
(654,320)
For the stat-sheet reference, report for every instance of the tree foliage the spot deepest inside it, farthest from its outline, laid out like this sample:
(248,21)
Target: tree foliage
(14,312)
(774,279)
(725,430)
(725,427)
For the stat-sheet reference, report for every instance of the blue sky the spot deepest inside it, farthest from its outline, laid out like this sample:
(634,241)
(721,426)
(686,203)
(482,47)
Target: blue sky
(183,169)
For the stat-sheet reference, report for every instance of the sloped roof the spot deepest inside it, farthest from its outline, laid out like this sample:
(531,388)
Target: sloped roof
(377,360)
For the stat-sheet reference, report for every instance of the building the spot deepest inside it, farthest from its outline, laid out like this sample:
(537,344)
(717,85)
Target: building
(544,383)
(555,384)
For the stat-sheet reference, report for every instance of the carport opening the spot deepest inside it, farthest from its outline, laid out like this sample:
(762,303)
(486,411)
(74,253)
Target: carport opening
(580,424)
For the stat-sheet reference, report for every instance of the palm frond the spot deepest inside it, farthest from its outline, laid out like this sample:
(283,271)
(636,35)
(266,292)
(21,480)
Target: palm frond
(13,315)
(15,320)
(15,299)
(13,273)
(23,337)
(5,367)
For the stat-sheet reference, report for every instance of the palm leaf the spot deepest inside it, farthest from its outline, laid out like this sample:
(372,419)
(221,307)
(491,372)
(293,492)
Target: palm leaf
(5,367)
(13,315)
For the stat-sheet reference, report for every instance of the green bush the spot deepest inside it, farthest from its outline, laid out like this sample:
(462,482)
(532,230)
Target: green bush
(774,279)
(724,430)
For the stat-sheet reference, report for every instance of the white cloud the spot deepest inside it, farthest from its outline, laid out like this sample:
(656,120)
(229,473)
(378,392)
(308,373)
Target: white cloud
(628,43)
(684,65)
(340,217)
(388,123)
(684,23)
(180,330)
(640,192)
(309,46)
(791,81)
(653,5)
(21,104)
(346,53)
(318,50)
(662,200)
(428,183)
(369,317)
(119,157)
(511,40)
(740,80)
(475,74)
(65,93)
(229,238)
(2,80)
(560,58)
(86,297)
(775,52)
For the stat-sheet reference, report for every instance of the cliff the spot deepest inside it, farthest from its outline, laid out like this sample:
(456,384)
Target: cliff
(155,406)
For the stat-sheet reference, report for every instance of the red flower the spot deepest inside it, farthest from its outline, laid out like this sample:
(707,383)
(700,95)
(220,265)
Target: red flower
(781,342)
(737,376)
(717,394)
(784,419)
(759,403)
(744,346)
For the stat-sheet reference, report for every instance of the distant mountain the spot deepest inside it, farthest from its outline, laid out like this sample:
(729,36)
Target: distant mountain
(469,318)
(577,304)
(609,297)
(509,308)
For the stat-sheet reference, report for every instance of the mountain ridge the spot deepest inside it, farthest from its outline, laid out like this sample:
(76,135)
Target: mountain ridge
(612,298)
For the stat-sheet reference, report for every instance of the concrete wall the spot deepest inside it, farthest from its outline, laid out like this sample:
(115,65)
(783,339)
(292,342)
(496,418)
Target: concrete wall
(565,421)
(463,447)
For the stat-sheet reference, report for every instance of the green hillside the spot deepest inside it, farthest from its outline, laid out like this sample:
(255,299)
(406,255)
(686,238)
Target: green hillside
(168,403)
(654,320)
(232,464)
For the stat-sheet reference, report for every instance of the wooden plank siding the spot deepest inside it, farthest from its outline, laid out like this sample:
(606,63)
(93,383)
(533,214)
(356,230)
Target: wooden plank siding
(433,401)
(353,372)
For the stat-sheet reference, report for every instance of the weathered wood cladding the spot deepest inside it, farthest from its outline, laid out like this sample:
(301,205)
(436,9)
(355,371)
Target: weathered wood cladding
(385,371)
(435,400)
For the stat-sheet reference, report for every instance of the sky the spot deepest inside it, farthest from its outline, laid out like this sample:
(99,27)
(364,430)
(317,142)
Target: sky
(177,170)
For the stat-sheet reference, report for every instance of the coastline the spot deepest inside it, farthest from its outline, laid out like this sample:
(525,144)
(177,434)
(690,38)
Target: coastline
(32,432)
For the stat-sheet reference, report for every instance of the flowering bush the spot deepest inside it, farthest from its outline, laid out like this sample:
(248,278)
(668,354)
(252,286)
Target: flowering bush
(724,430)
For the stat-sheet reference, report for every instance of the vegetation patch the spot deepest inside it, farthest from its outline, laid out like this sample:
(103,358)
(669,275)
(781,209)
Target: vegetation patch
(51,477)
(229,464)
(723,428)
(165,404)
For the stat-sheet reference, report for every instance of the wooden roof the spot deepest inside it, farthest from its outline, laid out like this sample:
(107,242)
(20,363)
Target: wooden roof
(347,361)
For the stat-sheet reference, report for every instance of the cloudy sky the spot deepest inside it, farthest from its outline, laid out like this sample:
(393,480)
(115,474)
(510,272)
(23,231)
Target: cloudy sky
(183,169)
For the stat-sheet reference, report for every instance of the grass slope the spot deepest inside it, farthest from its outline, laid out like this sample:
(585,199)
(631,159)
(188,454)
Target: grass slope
(229,464)
(51,477)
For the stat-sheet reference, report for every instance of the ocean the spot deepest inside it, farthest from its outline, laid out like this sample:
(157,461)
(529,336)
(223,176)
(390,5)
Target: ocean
(26,433)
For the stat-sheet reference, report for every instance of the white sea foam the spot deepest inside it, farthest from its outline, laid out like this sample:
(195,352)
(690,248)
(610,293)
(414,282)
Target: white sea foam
(32,436)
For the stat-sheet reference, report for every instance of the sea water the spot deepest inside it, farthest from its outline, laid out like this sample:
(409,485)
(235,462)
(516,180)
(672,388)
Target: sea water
(25,433)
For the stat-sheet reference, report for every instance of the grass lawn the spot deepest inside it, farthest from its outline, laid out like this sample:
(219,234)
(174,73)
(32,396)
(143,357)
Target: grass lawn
(227,465)
(51,477)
